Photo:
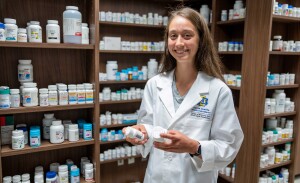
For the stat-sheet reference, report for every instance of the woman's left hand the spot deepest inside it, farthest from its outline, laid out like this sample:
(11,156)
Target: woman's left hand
(178,142)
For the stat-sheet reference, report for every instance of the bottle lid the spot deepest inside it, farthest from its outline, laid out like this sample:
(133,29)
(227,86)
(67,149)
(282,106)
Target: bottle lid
(80,86)
(50,174)
(277,37)
(4,90)
(17,133)
(89,166)
(63,168)
(22,30)
(43,90)
(87,126)
(52,21)
(88,86)
(62,87)
(29,85)
(7,179)
(52,87)
(39,169)
(73,126)
(71,7)
(56,122)
(34,23)
(25,176)
(112,62)
(23,61)
(2,26)
(83,159)
(49,115)
(16,178)
(10,21)
(38,178)
(72,87)
(84,24)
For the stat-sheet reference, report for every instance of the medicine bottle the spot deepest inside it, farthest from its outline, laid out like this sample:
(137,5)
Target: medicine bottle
(89,93)
(56,132)
(22,35)
(54,167)
(35,137)
(35,32)
(38,178)
(30,95)
(85,34)
(11,30)
(52,32)
(72,25)
(44,97)
(111,69)
(51,177)
(17,179)
(224,15)
(63,94)
(152,67)
(75,176)
(72,94)
(25,71)
(2,32)
(53,98)
(7,179)
(267,106)
(47,121)
(26,178)
(87,131)
(277,44)
(4,97)
(89,172)
(23,127)
(63,174)
(81,94)
(134,133)
(17,139)
(280,101)
(73,133)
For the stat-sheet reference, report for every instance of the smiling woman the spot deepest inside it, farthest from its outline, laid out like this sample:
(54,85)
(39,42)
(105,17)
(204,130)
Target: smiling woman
(188,99)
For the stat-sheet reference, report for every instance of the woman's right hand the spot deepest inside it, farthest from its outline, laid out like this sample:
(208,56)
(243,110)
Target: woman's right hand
(135,141)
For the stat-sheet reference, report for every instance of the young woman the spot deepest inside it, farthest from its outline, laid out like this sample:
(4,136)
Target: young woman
(190,100)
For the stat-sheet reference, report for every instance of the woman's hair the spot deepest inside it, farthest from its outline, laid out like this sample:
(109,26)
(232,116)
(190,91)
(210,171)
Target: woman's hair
(207,58)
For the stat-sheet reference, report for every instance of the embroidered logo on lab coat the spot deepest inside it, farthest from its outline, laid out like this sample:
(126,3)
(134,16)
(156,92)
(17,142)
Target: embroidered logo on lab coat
(200,110)
(203,102)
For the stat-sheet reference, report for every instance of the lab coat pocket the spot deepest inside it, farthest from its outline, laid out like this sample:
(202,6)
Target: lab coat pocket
(197,128)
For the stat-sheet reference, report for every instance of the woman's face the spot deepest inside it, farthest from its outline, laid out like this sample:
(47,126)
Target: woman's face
(183,40)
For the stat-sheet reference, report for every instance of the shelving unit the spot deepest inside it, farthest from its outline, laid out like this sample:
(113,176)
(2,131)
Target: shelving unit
(120,102)
(117,125)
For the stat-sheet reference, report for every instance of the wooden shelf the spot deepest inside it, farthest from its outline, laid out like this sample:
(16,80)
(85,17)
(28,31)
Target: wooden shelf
(130,52)
(131,25)
(44,108)
(45,146)
(230,52)
(112,142)
(123,82)
(234,87)
(117,125)
(231,22)
(227,178)
(280,114)
(283,53)
(282,86)
(115,160)
(277,143)
(276,165)
(120,101)
(285,19)
(46,45)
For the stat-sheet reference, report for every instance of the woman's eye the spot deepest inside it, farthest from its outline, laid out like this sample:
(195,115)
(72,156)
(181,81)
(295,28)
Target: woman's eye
(187,36)
(173,36)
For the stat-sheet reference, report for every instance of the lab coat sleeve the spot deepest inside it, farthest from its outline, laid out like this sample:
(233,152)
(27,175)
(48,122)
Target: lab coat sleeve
(226,136)
(145,118)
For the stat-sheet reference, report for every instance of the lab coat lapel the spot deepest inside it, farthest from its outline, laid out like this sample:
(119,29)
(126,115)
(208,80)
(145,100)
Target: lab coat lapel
(199,87)
(165,92)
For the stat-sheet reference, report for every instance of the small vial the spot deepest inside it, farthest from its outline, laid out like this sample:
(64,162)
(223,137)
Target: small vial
(134,133)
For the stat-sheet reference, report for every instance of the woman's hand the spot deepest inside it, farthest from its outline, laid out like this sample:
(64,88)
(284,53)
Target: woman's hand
(177,142)
(135,141)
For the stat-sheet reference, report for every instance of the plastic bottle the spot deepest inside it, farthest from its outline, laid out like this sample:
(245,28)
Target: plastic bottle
(38,178)
(72,25)
(22,35)
(89,172)
(35,32)
(104,135)
(17,139)
(267,106)
(30,95)
(7,179)
(87,131)
(52,32)
(73,133)
(63,95)
(89,93)
(280,100)
(111,69)
(26,178)
(51,177)
(72,94)
(56,132)
(224,15)
(2,32)
(54,167)
(11,30)
(4,97)
(14,98)
(47,121)
(75,176)
(35,137)
(152,67)
(44,97)
(81,94)
(287,105)
(53,97)
(85,34)
(134,133)
(63,174)
(273,105)
(277,43)
(25,71)
(16,179)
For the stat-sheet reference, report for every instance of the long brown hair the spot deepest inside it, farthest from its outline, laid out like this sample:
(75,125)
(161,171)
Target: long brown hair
(207,59)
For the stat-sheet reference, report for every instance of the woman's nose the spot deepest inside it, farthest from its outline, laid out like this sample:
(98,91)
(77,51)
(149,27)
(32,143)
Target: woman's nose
(179,41)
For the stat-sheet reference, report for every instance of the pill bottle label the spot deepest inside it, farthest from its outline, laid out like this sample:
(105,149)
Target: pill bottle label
(24,74)
(52,34)
(59,135)
(87,134)
(89,97)
(72,27)
(34,141)
(35,34)
(11,34)
(81,97)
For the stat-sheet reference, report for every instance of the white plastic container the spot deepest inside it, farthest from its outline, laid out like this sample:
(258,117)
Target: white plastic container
(89,172)
(38,178)
(56,132)
(16,178)
(35,32)
(134,133)
(277,43)
(7,179)
(53,97)
(52,32)
(25,71)
(51,177)
(47,121)
(224,15)
(26,178)
(152,68)
(2,32)
(72,25)
(30,95)
(280,100)
(22,35)
(11,29)
(89,93)
(267,106)
(18,139)
(14,98)
(63,174)
(63,95)
(81,94)
(72,94)
(106,93)
(44,97)
(111,69)
(85,34)
(73,133)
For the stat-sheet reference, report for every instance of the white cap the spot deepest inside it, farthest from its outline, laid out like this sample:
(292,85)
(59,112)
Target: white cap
(17,133)
(22,30)
(54,167)
(88,86)
(62,87)
(23,61)
(56,122)
(25,176)
(29,85)
(14,91)
(10,21)
(52,21)
(39,168)
(7,179)
(63,168)
(84,24)
(89,166)
(72,87)
(71,7)
(16,178)
(49,115)
(80,86)
(38,178)
(34,23)
(73,126)
(43,90)
(52,87)
(73,167)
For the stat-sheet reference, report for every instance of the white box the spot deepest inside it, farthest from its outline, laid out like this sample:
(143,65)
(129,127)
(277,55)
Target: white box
(112,43)
(6,133)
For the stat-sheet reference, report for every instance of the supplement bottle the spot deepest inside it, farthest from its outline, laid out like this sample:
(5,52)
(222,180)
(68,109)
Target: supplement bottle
(4,97)
(277,44)
(17,179)
(25,71)
(87,131)
(11,30)
(63,174)
(52,32)
(35,137)
(44,97)
(30,95)
(17,139)
(72,94)
(7,179)
(35,32)
(56,132)
(51,177)
(38,178)
(22,35)
(2,32)
(63,94)
(134,133)
(81,94)
(73,133)
(26,178)
(280,100)
(47,121)
(72,25)
(111,69)
(53,98)
(89,93)
(89,172)
(152,67)
(85,34)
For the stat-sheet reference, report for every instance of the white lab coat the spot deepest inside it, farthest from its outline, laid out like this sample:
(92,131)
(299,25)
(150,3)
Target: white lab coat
(214,124)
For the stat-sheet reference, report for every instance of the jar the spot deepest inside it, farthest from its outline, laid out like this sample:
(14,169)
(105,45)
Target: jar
(63,95)
(53,98)
(52,32)
(72,94)
(16,179)
(73,133)
(47,121)
(54,167)
(22,35)
(35,32)
(89,172)
(38,178)
(287,105)
(72,25)
(17,139)
(85,34)
(111,69)
(106,93)
(280,100)
(89,93)
(152,67)
(2,32)
(11,30)
(23,127)
(51,177)
(292,107)
(25,71)
(44,97)
(63,174)
(277,43)
(35,137)
(14,98)
(224,15)
(101,45)
(56,132)
(4,97)
(7,179)
(30,95)
(81,94)
(87,131)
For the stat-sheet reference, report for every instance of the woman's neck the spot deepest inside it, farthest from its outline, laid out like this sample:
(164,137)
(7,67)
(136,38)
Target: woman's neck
(185,76)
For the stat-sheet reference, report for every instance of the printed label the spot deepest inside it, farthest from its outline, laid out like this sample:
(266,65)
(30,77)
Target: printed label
(72,27)
(24,74)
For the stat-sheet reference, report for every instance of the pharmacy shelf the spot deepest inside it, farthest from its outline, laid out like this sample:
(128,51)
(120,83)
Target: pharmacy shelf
(280,114)
(47,45)
(112,142)
(130,52)
(227,178)
(120,101)
(232,22)
(285,19)
(230,52)
(283,53)
(234,87)
(275,166)
(123,82)
(44,108)
(277,143)
(282,86)
(117,159)
(131,25)
(117,125)
(6,150)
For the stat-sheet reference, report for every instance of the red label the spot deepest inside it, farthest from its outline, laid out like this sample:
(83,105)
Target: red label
(78,34)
